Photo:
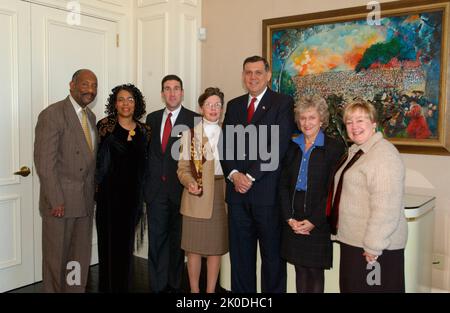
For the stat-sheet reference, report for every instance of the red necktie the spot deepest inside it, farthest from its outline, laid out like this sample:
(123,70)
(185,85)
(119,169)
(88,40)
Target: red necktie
(332,209)
(166,132)
(251,110)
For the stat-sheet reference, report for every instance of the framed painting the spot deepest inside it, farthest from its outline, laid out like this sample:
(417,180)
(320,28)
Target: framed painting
(395,55)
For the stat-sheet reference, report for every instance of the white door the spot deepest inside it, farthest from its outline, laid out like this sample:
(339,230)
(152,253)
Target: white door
(59,48)
(16,206)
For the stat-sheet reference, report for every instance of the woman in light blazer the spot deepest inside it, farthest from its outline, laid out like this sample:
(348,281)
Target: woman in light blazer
(205,223)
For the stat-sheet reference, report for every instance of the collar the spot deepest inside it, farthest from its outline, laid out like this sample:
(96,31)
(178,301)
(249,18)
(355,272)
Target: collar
(319,142)
(258,97)
(206,122)
(365,147)
(75,105)
(174,112)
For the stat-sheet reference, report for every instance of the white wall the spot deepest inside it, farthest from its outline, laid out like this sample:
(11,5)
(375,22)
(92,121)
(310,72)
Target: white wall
(235,31)
(166,43)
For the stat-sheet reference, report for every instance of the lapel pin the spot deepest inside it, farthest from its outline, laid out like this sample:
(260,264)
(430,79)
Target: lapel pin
(264,107)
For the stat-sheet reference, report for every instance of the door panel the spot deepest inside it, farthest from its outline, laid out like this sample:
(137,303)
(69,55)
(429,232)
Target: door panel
(16,209)
(58,50)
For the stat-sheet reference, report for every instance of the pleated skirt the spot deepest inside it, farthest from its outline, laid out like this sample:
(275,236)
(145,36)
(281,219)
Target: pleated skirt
(208,236)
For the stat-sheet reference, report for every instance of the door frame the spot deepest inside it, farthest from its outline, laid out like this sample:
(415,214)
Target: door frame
(123,72)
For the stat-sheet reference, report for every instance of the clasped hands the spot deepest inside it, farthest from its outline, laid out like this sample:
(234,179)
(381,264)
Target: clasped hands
(241,182)
(194,189)
(301,227)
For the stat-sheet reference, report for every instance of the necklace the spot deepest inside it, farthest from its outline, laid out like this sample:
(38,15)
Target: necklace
(131,133)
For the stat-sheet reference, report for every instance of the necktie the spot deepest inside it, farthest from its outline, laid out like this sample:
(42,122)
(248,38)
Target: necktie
(86,130)
(332,209)
(166,132)
(251,110)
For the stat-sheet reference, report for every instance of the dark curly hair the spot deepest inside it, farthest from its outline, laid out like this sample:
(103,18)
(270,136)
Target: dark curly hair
(139,101)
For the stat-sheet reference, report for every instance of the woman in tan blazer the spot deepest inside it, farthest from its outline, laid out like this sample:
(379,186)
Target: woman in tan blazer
(205,223)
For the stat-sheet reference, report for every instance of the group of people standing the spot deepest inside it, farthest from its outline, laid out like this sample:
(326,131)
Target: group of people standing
(202,191)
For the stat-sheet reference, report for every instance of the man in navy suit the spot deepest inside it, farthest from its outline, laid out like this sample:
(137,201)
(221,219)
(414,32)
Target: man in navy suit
(163,190)
(252,177)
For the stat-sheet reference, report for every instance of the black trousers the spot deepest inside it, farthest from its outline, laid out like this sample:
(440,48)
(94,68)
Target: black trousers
(356,275)
(165,257)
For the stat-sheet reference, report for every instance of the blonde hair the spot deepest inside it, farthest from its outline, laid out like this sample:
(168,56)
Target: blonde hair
(362,105)
(313,102)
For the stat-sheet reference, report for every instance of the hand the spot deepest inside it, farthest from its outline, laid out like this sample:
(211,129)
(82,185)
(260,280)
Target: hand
(370,258)
(305,227)
(293,224)
(241,182)
(193,189)
(58,211)
(301,227)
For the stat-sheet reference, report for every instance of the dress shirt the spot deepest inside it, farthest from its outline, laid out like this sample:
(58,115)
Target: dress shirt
(302,180)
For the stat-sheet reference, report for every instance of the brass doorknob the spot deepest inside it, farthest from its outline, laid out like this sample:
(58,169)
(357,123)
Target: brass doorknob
(24,171)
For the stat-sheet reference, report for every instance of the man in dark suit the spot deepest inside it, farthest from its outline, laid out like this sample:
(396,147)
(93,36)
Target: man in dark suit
(64,154)
(251,162)
(163,189)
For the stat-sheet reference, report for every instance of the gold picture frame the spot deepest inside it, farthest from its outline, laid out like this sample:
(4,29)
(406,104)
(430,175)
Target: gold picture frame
(397,58)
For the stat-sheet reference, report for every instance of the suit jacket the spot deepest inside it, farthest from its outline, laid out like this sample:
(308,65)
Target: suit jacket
(64,162)
(274,109)
(162,164)
(193,205)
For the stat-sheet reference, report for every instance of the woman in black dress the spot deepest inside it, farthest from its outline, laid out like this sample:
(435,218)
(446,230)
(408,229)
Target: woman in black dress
(119,177)
(307,168)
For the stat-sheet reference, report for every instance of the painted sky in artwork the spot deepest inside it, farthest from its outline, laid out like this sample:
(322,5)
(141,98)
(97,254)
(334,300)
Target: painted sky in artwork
(340,49)
(341,46)
(399,58)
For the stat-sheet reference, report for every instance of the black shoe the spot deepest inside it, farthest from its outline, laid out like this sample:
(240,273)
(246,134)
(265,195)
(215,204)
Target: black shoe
(220,289)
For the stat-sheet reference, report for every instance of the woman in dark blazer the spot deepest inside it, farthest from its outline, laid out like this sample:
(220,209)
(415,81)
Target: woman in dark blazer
(306,172)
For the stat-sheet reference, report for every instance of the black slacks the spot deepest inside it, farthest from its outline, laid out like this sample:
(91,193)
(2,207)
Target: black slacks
(356,275)
(165,256)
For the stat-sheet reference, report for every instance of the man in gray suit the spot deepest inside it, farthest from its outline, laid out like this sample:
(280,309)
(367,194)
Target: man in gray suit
(64,154)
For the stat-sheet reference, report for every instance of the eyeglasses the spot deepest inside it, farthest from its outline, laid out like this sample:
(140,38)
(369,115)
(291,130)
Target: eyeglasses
(129,99)
(216,106)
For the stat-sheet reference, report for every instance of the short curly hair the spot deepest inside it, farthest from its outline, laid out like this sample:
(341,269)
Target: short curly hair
(315,102)
(139,101)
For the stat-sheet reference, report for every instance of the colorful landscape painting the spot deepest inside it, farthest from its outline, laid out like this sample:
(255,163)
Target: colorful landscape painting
(395,65)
